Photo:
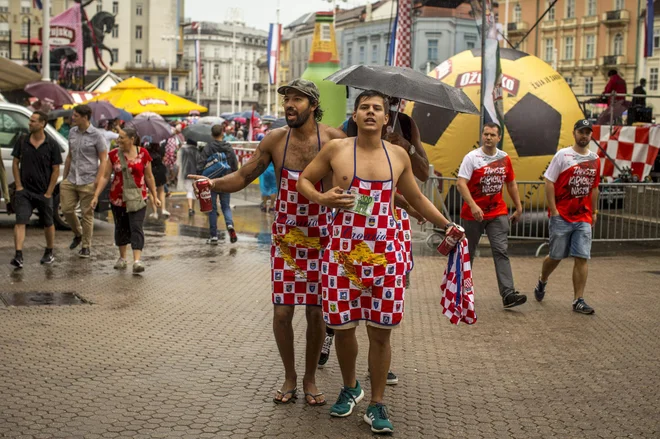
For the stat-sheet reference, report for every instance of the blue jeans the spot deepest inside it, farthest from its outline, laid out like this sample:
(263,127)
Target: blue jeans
(226,212)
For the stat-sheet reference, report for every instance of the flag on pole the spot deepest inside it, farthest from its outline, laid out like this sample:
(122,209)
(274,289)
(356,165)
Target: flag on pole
(274,37)
(402,56)
(648,42)
(37,4)
(493,109)
(198,65)
(391,50)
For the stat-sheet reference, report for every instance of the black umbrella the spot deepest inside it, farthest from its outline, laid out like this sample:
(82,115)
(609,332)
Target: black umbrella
(405,83)
(151,130)
(55,114)
(198,133)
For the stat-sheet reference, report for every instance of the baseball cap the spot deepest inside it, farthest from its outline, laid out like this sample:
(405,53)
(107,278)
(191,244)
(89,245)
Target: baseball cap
(582,123)
(308,88)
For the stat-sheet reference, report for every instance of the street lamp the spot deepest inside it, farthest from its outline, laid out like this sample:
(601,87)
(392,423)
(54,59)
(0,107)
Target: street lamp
(172,56)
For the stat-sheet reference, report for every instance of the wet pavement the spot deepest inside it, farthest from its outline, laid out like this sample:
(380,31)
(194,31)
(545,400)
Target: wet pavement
(186,349)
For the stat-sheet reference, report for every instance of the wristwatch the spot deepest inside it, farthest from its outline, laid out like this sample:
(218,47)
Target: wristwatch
(411,151)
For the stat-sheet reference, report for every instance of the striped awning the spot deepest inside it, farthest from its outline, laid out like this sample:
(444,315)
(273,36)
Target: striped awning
(82,96)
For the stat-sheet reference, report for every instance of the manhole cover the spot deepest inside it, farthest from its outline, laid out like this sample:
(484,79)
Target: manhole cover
(42,298)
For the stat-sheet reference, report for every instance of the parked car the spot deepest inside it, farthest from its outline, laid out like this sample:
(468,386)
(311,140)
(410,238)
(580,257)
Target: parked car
(14,123)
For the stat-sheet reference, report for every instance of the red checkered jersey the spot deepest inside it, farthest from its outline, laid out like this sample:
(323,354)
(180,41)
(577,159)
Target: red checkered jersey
(486,176)
(575,176)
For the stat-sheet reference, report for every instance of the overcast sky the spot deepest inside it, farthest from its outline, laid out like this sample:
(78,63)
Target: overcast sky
(259,13)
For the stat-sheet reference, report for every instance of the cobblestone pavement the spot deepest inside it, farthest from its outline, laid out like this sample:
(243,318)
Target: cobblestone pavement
(186,350)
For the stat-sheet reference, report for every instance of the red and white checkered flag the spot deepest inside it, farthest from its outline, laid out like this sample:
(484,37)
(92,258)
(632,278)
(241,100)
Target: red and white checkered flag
(457,288)
(402,56)
(630,147)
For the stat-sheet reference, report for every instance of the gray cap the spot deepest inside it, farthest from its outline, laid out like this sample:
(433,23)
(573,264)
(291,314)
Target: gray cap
(308,88)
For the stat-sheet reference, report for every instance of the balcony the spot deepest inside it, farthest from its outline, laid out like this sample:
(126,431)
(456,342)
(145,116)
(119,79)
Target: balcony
(589,21)
(616,18)
(588,63)
(569,23)
(548,25)
(519,28)
(566,64)
(612,60)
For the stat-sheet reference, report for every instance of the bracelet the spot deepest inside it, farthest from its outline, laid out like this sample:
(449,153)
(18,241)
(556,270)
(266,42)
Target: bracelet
(449,225)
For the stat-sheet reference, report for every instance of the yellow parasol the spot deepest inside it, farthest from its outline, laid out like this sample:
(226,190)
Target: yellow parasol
(137,96)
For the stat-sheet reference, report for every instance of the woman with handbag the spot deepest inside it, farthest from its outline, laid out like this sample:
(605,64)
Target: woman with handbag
(131,165)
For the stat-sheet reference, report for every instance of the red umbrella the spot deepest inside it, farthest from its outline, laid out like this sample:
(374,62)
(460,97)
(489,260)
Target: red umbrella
(49,90)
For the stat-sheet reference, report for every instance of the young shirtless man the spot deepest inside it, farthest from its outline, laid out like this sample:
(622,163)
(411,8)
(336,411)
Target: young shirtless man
(300,230)
(364,266)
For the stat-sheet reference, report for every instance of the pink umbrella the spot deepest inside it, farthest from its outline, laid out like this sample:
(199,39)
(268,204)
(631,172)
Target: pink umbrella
(49,90)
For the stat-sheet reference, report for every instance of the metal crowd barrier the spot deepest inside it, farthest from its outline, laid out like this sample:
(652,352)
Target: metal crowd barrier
(244,152)
(627,211)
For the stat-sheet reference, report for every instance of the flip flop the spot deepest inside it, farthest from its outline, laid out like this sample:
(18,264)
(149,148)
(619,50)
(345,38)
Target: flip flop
(292,399)
(316,403)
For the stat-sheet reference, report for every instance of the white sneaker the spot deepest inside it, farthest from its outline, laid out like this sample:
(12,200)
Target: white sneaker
(153,216)
(165,213)
(121,264)
(138,267)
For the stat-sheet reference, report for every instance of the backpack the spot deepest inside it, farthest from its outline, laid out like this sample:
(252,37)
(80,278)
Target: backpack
(216,166)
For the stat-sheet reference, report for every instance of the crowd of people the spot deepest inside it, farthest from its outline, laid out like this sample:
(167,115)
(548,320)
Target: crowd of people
(340,248)
(342,201)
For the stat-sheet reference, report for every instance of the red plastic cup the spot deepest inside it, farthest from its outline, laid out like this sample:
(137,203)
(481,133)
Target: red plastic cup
(203,186)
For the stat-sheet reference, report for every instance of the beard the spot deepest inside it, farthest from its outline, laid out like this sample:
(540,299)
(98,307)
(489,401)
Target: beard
(300,119)
(582,143)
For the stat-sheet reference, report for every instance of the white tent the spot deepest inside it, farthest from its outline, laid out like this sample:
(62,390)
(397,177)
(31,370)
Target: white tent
(104,83)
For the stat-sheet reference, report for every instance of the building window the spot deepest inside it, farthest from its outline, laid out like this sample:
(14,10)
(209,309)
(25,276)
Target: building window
(24,30)
(26,5)
(568,48)
(517,13)
(138,57)
(216,70)
(349,56)
(432,50)
(591,8)
(570,8)
(618,45)
(569,81)
(653,79)
(469,45)
(148,79)
(590,47)
(361,55)
(550,16)
(115,8)
(99,6)
(115,31)
(115,54)
(138,32)
(374,54)
(175,83)
(656,38)
(4,28)
(4,6)
(549,49)
(138,9)
(24,53)
(216,53)
(588,86)
(619,4)
(161,82)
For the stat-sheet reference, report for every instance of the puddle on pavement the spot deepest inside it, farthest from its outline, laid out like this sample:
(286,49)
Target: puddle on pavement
(41,298)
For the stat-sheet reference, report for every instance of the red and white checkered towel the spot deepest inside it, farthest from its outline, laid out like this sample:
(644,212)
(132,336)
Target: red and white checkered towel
(457,289)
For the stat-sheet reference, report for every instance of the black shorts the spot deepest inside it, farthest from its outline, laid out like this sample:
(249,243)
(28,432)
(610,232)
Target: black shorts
(25,202)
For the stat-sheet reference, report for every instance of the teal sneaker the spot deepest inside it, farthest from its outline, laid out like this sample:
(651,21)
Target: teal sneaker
(377,417)
(347,400)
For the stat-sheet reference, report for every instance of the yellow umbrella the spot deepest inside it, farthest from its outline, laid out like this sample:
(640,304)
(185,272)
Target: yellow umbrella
(137,96)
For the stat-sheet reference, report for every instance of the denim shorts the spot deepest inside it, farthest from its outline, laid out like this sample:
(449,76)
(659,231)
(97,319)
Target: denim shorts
(569,239)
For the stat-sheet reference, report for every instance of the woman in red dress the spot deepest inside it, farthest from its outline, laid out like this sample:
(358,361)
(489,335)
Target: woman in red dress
(128,225)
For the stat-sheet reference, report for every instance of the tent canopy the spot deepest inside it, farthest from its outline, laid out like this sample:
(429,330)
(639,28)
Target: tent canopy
(14,76)
(104,83)
(137,96)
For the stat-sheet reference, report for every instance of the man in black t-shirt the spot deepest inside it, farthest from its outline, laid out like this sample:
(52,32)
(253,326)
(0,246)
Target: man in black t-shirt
(36,168)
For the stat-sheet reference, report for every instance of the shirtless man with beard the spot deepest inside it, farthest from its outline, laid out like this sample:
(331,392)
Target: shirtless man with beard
(300,229)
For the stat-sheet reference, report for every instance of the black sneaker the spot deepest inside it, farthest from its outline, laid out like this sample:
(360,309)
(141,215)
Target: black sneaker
(76,242)
(232,235)
(84,252)
(539,291)
(191,212)
(392,379)
(17,262)
(325,350)
(581,306)
(514,299)
(47,258)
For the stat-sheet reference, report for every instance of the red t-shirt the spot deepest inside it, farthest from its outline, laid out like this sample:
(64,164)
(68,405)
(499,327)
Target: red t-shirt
(486,176)
(135,167)
(574,176)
